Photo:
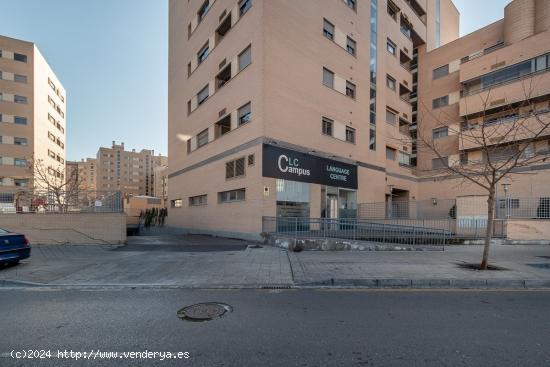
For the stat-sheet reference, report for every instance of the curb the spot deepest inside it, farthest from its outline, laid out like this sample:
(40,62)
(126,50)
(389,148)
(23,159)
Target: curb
(384,283)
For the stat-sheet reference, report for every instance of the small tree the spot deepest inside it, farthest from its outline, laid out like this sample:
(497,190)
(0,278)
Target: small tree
(56,183)
(507,142)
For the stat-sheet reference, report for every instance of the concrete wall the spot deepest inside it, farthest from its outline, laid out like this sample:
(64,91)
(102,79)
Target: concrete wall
(76,229)
(528,230)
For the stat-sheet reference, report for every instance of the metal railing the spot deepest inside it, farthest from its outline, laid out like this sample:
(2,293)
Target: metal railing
(414,209)
(523,207)
(79,201)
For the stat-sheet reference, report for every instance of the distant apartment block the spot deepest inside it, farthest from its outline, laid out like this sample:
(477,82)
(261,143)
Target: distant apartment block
(32,117)
(160,188)
(131,172)
(82,173)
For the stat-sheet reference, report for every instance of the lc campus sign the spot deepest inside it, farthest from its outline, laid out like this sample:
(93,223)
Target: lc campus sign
(295,166)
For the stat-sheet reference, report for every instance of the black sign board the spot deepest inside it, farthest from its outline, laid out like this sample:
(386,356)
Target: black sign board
(295,166)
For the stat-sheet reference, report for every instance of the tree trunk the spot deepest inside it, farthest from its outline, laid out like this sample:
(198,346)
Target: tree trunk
(489,232)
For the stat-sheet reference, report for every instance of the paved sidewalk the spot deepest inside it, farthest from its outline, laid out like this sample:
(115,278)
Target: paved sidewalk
(208,262)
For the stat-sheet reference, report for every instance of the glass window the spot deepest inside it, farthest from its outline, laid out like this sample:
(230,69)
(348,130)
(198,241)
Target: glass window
(351,46)
(21,182)
(233,195)
(245,58)
(202,138)
(20,141)
(20,162)
(328,78)
(390,82)
(391,117)
(203,95)
(390,153)
(351,4)
(438,163)
(440,102)
(391,47)
(203,53)
(392,10)
(20,78)
(20,57)
(404,159)
(198,200)
(244,114)
(350,89)
(441,71)
(292,191)
(350,134)
(328,30)
(176,203)
(203,10)
(20,99)
(440,132)
(20,120)
(327,126)
(244,6)
(234,168)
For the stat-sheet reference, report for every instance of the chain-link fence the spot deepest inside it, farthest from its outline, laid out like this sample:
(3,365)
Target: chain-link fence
(523,207)
(81,201)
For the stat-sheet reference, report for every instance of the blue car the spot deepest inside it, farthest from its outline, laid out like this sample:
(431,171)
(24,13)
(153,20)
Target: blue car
(13,247)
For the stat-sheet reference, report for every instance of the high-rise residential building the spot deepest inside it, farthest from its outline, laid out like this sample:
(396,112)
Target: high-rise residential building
(82,173)
(306,108)
(160,187)
(496,78)
(32,118)
(130,172)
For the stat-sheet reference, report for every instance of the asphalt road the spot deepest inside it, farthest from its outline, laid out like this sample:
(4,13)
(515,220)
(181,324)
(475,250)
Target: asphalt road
(282,328)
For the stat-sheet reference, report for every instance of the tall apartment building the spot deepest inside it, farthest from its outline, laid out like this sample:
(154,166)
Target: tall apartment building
(130,172)
(160,187)
(293,108)
(495,77)
(32,118)
(83,173)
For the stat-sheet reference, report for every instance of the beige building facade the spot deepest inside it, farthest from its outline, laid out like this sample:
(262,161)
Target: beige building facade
(32,118)
(131,172)
(286,108)
(83,173)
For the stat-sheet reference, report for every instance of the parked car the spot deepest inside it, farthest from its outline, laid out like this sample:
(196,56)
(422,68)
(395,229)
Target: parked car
(13,247)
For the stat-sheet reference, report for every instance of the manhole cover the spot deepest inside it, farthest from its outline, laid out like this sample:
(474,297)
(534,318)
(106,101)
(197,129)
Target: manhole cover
(204,311)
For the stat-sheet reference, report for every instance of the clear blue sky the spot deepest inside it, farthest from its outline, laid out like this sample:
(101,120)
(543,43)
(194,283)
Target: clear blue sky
(112,58)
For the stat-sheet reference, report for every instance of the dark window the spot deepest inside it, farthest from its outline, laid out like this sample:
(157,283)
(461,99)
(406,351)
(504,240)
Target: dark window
(244,114)
(350,89)
(440,102)
(351,4)
(20,78)
(441,71)
(350,134)
(392,10)
(20,57)
(176,203)
(351,46)
(223,76)
(390,82)
(198,200)
(251,159)
(234,168)
(223,126)
(391,117)
(327,126)
(328,29)
(20,99)
(202,138)
(244,5)
(440,132)
(328,78)
(20,141)
(390,153)
(203,53)
(202,95)
(203,10)
(245,58)
(233,195)
(438,163)
(391,47)
(20,120)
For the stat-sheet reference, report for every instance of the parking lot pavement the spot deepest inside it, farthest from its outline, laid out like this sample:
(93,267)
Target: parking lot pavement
(187,261)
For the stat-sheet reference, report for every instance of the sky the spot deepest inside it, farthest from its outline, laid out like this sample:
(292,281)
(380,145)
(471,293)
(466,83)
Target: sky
(112,58)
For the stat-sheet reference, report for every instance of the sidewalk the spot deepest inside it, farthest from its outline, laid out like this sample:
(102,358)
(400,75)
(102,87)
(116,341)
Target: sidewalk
(206,262)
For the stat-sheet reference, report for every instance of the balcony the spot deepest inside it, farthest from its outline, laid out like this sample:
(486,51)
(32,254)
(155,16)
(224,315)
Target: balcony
(506,129)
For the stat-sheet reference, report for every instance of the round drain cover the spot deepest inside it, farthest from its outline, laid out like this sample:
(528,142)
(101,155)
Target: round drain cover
(204,311)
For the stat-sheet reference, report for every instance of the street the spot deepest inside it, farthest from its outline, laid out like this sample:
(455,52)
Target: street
(298,327)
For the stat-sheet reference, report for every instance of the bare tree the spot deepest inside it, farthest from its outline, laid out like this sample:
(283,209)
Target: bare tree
(61,186)
(507,141)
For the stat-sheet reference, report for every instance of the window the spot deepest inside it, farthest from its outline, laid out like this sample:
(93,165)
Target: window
(20,78)
(328,29)
(438,163)
(391,117)
(251,159)
(21,182)
(231,196)
(350,134)
(441,71)
(223,77)
(20,162)
(189,69)
(20,57)
(20,99)
(390,153)
(405,28)
(223,126)
(245,58)
(176,203)
(392,10)
(20,120)
(327,126)
(202,95)
(463,157)
(351,46)
(350,89)
(20,141)
(390,82)
(502,153)
(440,132)
(234,168)
(244,5)
(198,200)
(202,138)
(328,78)
(203,53)
(244,114)
(391,47)
(203,10)
(404,159)
(440,102)
(351,4)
